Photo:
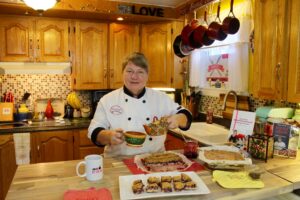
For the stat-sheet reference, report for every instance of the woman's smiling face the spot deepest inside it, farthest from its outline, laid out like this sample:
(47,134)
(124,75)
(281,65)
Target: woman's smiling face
(135,78)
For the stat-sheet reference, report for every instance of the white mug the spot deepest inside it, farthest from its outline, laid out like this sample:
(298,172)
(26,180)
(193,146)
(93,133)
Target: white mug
(93,167)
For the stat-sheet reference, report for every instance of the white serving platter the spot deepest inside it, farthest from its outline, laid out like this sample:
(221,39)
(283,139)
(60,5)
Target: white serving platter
(125,183)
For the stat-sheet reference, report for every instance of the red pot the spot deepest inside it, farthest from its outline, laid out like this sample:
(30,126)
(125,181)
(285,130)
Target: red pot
(176,47)
(215,31)
(187,31)
(200,37)
(231,24)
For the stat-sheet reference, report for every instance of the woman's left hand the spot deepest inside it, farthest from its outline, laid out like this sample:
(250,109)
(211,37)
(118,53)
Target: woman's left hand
(177,120)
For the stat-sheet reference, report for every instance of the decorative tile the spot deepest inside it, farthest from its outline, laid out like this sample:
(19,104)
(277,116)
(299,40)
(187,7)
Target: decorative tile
(214,102)
(40,86)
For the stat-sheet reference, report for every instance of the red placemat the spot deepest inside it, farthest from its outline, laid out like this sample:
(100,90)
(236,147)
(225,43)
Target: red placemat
(135,170)
(91,193)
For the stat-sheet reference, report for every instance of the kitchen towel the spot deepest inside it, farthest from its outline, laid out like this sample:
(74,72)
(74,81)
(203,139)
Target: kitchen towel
(228,179)
(91,193)
(22,148)
(129,162)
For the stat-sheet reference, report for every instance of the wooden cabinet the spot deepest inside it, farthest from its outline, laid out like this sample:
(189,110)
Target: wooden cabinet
(7,163)
(123,40)
(52,43)
(16,39)
(294,54)
(156,45)
(277,53)
(90,70)
(173,142)
(27,39)
(52,146)
(83,146)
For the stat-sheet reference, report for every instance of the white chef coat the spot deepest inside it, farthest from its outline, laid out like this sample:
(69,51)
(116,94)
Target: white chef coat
(119,110)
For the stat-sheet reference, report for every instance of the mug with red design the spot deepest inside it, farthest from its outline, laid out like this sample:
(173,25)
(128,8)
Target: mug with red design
(93,167)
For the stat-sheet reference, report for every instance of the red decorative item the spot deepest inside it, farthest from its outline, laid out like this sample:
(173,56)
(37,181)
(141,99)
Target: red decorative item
(49,110)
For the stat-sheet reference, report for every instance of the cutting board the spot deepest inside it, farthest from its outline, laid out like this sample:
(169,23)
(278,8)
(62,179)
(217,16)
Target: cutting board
(243,104)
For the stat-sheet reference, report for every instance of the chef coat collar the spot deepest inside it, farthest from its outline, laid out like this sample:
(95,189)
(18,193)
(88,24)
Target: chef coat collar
(126,91)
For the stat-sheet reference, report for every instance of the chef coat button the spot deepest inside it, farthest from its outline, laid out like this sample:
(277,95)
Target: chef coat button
(129,118)
(150,138)
(126,100)
(144,101)
(147,118)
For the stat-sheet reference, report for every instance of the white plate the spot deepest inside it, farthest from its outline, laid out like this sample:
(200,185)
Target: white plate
(125,183)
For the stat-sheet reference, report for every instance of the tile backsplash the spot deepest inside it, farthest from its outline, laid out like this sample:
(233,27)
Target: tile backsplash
(40,86)
(214,102)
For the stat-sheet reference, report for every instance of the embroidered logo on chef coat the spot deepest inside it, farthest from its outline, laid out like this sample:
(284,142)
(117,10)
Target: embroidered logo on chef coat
(116,110)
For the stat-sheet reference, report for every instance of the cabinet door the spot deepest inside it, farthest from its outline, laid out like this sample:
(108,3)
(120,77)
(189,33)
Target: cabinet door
(124,40)
(156,45)
(270,54)
(173,143)
(53,146)
(91,56)
(7,163)
(52,40)
(16,39)
(294,57)
(83,146)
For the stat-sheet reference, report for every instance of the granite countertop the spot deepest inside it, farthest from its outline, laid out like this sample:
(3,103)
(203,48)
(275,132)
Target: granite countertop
(19,127)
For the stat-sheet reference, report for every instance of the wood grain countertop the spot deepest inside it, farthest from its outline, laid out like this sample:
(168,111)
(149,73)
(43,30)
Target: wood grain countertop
(286,168)
(51,180)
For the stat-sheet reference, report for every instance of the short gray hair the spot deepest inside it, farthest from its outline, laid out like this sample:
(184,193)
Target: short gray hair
(138,59)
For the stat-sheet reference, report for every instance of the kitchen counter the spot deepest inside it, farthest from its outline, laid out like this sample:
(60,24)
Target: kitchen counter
(51,180)
(205,134)
(76,123)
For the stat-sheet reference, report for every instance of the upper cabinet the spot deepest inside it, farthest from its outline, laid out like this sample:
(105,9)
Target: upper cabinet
(294,54)
(277,52)
(90,69)
(26,39)
(16,39)
(51,38)
(166,70)
(123,40)
(156,44)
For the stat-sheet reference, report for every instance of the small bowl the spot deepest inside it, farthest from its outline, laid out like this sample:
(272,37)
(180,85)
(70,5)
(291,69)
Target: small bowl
(134,138)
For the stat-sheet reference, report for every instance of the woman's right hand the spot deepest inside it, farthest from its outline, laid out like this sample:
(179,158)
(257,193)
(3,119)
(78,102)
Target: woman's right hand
(111,137)
(116,136)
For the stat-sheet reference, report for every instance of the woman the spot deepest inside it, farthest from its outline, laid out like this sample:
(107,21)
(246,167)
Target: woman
(128,108)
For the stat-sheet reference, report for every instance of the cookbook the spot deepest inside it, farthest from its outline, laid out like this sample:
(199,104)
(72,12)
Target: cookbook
(285,140)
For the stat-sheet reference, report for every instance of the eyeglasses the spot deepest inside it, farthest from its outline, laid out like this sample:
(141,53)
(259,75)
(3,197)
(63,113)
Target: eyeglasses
(139,73)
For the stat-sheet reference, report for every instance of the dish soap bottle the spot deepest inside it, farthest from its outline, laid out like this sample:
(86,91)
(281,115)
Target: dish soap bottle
(49,110)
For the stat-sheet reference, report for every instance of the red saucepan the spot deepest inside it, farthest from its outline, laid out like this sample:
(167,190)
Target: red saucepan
(176,47)
(187,30)
(181,50)
(231,24)
(200,37)
(215,31)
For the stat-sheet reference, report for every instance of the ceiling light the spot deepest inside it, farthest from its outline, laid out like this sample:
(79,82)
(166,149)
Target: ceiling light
(40,5)
(120,18)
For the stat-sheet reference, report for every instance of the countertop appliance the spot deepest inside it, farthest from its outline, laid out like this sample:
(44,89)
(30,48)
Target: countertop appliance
(96,96)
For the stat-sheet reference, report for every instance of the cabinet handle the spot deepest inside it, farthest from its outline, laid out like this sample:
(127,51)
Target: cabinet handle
(278,71)
(30,44)
(105,73)
(38,44)
(111,73)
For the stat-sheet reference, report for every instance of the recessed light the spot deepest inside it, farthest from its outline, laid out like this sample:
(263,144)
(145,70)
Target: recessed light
(120,18)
